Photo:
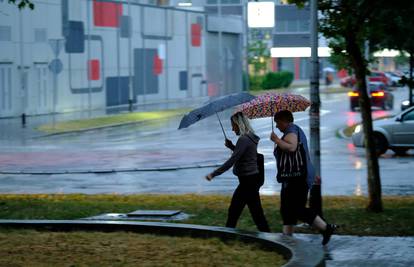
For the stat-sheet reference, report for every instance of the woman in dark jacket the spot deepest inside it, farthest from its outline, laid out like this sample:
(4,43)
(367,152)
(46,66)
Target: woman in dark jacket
(244,159)
(294,193)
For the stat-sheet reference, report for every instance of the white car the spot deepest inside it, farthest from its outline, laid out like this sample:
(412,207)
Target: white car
(393,79)
(395,133)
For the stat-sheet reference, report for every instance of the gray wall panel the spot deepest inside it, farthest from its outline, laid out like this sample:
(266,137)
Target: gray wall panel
(145,81)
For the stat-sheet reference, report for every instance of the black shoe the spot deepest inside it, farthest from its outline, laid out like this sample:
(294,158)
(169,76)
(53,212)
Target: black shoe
(330,229)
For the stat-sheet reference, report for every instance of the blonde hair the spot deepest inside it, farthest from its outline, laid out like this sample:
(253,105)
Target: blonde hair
(242,122)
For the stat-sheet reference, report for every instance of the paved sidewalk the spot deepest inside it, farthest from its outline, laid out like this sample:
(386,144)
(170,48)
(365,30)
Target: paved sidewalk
(368,251)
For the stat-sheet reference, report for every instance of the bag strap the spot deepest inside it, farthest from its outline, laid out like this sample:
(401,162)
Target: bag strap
(251,139)
(298,135)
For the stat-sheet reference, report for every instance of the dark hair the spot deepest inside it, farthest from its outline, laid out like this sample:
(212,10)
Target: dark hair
(284,115)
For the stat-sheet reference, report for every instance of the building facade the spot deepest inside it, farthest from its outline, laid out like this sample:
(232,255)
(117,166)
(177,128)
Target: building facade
(69,55)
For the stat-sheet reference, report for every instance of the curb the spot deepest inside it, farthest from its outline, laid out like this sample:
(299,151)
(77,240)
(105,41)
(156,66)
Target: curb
(101,127)
(340,133)
(299,253)
(160,169)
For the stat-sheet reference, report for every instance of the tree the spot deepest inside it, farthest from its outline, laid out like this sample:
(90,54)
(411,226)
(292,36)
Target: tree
(348,25)
(400,24)
(258,52)
(23,3)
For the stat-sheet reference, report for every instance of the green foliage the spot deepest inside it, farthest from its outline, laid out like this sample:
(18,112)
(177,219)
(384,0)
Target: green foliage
(398,26)
(349,212)
(258,55)
(23,4)
(401,59)
(255,82)
(401,37)
(280,79)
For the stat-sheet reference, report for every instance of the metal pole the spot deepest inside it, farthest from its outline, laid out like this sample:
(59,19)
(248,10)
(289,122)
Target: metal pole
(144,81)
(54,96)
(131,97)
(166,61)
(22,78)
(220,44)
(367,59)
(89,58)
(246,47)
(315,153)
(118,62)
(187,56)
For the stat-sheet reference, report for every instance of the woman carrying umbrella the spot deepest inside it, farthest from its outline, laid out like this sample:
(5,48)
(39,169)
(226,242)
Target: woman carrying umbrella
(296,173)
(244,159)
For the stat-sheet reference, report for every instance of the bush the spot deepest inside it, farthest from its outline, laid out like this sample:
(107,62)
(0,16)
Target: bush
(255,82)
(273,80)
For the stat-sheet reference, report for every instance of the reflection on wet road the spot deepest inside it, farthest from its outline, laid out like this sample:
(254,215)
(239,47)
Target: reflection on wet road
(160,144)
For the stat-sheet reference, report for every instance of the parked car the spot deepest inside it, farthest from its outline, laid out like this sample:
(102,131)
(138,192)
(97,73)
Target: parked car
(406,103)
(379,93)
(395,133)
(393,78)
(378,76)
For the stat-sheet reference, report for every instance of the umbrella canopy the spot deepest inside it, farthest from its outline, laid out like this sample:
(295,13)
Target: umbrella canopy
(213,106)
(266,105)
(328,69)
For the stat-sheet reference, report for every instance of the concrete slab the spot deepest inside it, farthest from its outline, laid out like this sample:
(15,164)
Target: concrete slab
(139,215)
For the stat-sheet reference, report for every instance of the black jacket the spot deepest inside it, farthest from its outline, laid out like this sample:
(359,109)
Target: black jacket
(244,157)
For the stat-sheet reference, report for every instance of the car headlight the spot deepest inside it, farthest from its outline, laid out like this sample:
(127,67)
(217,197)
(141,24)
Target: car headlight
(405,103)
(358,128)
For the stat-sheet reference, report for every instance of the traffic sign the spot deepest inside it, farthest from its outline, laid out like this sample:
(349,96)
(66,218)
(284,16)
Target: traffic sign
(56,66)
(56,45)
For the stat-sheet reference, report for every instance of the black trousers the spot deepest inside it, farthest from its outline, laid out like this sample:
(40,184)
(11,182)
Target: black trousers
(293,199)
(247,193)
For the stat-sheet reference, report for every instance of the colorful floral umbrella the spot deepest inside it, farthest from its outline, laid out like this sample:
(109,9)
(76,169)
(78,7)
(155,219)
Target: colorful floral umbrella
(267,104)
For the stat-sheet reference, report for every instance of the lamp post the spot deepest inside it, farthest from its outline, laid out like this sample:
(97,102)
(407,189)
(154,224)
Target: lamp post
(314,113)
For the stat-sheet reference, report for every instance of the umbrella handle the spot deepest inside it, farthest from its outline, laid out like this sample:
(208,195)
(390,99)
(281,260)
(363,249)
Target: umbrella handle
(273,128)
(221,126)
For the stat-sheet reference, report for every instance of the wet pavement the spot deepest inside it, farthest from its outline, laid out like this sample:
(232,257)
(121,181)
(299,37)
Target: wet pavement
(155,157)
(365,251)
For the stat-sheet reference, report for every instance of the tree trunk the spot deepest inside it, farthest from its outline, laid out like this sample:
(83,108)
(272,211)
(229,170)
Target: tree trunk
(374,181)
(410,83)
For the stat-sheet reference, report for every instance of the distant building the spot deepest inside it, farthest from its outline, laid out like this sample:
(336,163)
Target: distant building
(291,42)
(71,55)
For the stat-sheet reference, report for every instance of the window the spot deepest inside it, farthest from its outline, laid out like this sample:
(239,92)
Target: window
(40,35)
(303,25)
(292,25)
(409,116)
(223,2)
(5,88)
(281,26)
(5,33)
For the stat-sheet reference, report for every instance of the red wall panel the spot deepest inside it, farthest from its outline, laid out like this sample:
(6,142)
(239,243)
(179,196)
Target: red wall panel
(157,65)
(93,70)
(106,14)
(195,34)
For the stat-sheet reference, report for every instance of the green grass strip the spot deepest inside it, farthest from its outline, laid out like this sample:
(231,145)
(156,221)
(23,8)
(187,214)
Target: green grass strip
(119,119)
(348,211)
(46,248)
